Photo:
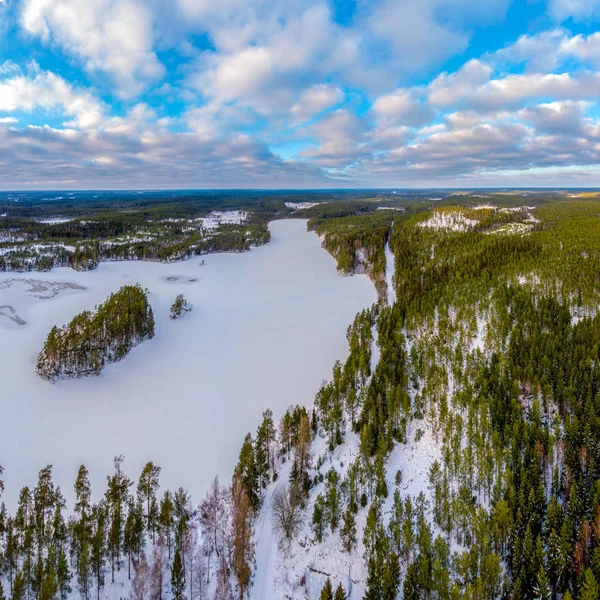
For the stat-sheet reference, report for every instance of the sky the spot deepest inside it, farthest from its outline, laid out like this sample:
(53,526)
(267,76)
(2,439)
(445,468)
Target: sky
(126,94)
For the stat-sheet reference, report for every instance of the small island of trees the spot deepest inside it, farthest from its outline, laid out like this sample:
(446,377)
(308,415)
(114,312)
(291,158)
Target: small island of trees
(180,307)
(94,339)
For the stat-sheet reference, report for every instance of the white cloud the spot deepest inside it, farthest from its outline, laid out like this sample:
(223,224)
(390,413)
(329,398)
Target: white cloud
(315,100)
(577,9)
(540,52)
(110,36)
(402,106)
(47,91)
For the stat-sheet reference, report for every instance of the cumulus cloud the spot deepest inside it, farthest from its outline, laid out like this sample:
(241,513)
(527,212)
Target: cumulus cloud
(249,73)
(47,91)
(110,36)
(316,99)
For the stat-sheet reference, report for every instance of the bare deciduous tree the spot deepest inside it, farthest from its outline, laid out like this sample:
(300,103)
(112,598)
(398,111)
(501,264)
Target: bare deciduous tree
(140,587)
(286,511)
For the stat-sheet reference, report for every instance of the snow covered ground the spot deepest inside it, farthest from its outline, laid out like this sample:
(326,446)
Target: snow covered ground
(449,220)
(266,328)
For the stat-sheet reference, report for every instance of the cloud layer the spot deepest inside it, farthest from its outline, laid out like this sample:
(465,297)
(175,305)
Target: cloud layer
(250,93)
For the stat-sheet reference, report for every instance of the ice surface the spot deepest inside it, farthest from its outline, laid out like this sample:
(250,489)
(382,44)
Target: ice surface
(267,327)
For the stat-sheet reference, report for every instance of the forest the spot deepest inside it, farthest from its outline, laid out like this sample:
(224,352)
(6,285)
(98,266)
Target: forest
(484,368)
(92,340)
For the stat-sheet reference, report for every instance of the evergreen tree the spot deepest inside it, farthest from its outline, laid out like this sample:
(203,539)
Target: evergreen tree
(82,531)
(166,519)
(148,485)
(348,531)
(178,577)
(116,502)
(332,500)
(98,545)
(318,518)
(327,591)
(589,589)
(340,594)
(247,473)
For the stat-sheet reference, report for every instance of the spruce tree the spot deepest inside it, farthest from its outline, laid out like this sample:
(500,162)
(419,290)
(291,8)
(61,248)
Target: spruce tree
(589,589)
(327,591)
(340,594)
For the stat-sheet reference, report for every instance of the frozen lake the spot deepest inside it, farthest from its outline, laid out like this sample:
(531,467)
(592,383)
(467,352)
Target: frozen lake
(266,329)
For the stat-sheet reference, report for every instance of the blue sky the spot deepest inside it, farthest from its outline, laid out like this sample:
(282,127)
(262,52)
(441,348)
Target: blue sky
(299,93)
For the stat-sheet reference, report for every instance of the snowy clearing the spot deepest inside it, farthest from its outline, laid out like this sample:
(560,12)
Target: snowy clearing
(302,205)
(449,220)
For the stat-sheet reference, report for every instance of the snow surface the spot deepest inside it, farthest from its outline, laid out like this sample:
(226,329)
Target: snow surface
(302,205)
(55,220)
(449,220)
(390,271)
(215,218)
(266,329)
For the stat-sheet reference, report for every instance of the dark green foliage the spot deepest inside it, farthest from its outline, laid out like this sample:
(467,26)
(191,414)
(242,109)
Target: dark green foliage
(327,591)
(247,472)
(340,594)
(179,307)
(178,577)
(318,518)
(148,485)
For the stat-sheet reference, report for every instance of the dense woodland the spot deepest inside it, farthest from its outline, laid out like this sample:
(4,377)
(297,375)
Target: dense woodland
(92,340)
(487,360)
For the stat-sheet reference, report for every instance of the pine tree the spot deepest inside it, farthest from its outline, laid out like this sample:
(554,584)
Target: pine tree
(116,501)
(318,518)
(98,544)
(246,472)
(177,577)
(327,591)
(147,487)
(348,531)
(19,587)
(332,500)
(166,520)
(133,533)
(82,531)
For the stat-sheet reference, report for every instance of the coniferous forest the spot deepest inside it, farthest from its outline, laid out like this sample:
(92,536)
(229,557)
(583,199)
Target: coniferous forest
(95,339)
(454,454)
